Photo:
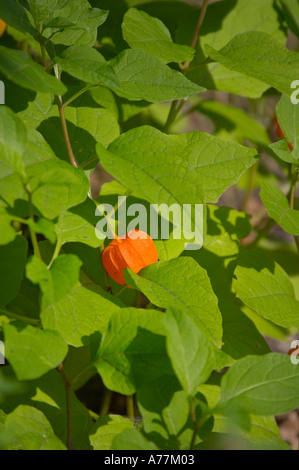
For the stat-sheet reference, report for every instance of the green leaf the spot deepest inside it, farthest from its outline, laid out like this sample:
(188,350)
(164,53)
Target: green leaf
(190,352)
(266,385)
(257,55)
(281,149)
(86,126)
(78,225)
(264,431)
(225,228)
(45,227)
(236,17)
(7,232)
(133,343)
(80,22)
(21,69)
(88,65)
(57,186)
(145,77)
(131,439)
(12,140)
(81,313)
(142,31)
(183,284)
(30,430)
(47,394)
(56,282)
(33,352)
(106,428)
(12,264)
(291,12)
(234,123)
(210,165)
(164,408)
(15,15)
(279,209)
(36,154)
(121,108)
(266,288)
(288,118)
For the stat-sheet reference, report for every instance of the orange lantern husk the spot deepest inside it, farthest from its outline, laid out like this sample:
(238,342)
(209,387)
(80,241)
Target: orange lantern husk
(281,135)
(2,27)
(135,251)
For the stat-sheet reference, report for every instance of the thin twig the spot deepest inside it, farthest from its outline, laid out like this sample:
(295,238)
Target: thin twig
(68,144)
(66,136)
(200,21)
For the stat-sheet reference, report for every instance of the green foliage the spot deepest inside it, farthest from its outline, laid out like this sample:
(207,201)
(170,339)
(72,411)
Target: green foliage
(118,86)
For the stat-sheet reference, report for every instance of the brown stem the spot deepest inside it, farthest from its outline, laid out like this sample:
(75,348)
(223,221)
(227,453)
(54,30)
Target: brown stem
(199,23)
(71,155)
(68,398)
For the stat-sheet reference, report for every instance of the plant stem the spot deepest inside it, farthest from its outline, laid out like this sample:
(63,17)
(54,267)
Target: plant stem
(31,230)
(76,95)
(16,316)
(56,251)
(195,426)
(66,136)
(68,398)
(121,291)
(200,22)
(106,403)
(174,109)
(130,407)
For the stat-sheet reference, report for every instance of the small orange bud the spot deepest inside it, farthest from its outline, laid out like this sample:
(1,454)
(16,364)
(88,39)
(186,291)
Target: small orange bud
(2,27)
(135,251)
(281,135)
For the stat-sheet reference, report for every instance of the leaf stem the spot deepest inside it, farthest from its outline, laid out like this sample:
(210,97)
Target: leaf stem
(31,230)
(130,407)
(106,403)
(66,136)
(68,398)
(199,23)
(16,316)
(76,95)
(56,251)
